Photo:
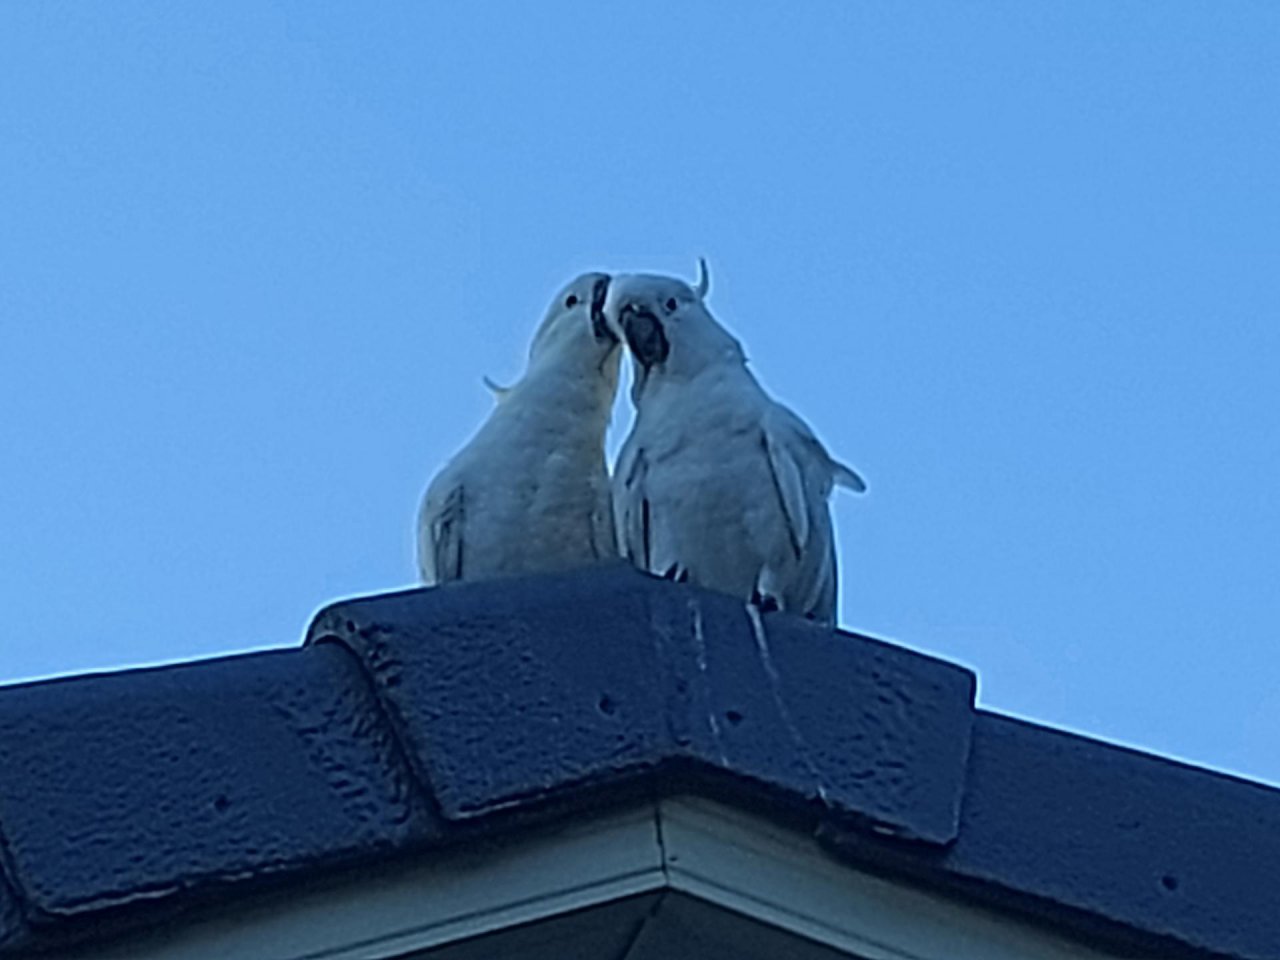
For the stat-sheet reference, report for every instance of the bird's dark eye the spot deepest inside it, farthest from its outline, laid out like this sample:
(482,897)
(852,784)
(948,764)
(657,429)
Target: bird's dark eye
(571,301)
(671,304)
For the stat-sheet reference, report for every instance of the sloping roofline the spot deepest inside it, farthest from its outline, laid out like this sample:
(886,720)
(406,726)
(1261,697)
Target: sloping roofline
(422,722)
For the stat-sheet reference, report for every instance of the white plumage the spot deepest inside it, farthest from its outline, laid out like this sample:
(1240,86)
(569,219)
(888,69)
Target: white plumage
(717,482)
(530,492)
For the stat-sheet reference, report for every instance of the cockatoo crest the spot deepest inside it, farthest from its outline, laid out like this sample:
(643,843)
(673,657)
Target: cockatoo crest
(704,279)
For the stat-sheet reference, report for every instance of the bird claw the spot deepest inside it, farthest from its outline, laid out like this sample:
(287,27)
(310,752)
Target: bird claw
(764,602)
(677,574)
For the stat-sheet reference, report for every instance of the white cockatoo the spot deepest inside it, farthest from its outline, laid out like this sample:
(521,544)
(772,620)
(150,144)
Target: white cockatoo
(717,483)
(530,492)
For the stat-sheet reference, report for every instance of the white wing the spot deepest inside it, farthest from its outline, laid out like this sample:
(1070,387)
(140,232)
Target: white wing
(803,474)
(630,504)
(440,535)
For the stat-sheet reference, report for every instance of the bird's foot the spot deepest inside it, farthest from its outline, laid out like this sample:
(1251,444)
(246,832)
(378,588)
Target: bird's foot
(677,574)
(764,602)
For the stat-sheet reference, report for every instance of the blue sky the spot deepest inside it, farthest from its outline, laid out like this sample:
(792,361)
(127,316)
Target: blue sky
(1019,263)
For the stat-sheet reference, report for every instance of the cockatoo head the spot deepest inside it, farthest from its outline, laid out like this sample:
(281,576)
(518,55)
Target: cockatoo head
(574,327)
(667,326)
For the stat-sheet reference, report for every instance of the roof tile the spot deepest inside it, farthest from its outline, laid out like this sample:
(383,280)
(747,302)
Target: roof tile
(138,784)
(517,689)
(1067,823)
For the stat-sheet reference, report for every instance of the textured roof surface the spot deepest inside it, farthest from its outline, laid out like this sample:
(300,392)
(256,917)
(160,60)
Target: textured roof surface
(601,677)
(413,720)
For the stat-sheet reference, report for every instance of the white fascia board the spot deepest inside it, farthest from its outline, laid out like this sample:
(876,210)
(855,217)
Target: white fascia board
(740,862)
(455,895)
(781,876)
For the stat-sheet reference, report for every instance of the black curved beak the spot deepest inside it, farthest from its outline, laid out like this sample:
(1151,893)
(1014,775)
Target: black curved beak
(646,339)
(599,328)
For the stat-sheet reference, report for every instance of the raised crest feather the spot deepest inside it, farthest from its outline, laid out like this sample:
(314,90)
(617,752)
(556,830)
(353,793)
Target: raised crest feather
(499,392)
(703,286)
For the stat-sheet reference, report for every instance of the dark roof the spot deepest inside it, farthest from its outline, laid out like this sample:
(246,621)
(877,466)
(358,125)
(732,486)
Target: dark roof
(412,720)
